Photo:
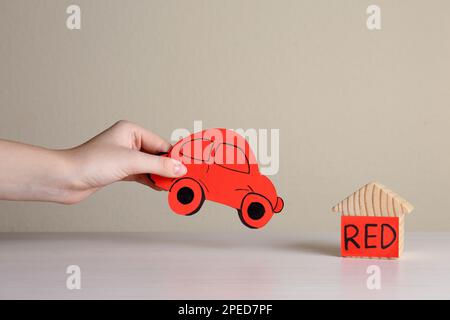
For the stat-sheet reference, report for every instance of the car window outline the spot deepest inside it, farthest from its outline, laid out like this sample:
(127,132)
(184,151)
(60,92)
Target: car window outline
(211,144)
(227,168)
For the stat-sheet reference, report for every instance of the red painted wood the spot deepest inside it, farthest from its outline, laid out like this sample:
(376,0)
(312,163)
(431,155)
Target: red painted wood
(363,236)
(221,167)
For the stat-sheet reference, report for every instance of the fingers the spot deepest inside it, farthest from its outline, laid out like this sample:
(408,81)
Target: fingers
(146,140)
(143,179)
(162,166)
(153,143)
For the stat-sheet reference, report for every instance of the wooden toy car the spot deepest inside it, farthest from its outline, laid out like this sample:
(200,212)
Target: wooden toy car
(221,168)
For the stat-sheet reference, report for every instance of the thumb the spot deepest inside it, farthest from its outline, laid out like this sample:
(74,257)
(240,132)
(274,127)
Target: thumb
(162,166)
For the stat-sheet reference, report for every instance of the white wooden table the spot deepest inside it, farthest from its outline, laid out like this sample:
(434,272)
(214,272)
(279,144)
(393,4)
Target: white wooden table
(251,265)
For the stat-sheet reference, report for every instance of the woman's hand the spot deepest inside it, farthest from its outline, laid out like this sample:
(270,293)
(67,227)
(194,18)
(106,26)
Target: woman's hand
(123,152)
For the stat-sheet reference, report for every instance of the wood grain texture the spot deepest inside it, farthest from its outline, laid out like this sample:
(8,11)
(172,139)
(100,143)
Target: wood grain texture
(373,199)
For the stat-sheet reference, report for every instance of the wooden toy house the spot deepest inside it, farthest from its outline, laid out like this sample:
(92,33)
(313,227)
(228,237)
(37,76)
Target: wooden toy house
(372,222)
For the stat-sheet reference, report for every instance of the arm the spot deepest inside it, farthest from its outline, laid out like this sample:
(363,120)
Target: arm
(123,152)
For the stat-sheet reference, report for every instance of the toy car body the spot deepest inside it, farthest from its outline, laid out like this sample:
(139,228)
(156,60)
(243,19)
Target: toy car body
(221,168)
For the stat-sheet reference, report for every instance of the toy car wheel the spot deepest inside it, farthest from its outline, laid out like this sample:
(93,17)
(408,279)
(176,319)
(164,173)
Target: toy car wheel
(255,211)
(186,196)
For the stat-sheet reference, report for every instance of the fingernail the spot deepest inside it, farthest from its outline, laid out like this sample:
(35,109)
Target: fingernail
(178,168)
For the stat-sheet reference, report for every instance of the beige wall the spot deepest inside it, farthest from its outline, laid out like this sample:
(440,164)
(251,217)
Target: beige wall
(351,105)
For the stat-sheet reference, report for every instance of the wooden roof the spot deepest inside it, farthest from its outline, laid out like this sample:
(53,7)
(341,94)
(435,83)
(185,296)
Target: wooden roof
(373,199)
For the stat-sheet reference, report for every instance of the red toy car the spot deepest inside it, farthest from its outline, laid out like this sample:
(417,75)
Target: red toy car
(221,168)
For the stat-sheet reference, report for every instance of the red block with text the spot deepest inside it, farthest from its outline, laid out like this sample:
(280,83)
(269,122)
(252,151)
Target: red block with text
(373,222)
(368,236)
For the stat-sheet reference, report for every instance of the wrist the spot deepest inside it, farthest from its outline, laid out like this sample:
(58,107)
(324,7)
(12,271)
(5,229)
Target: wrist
(66,179)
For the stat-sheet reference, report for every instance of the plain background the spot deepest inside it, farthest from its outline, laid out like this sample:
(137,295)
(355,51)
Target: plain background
(352,105)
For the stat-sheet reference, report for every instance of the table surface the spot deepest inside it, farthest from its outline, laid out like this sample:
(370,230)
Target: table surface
(215,266)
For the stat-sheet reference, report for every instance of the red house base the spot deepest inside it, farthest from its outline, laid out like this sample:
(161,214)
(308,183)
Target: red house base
(369,236)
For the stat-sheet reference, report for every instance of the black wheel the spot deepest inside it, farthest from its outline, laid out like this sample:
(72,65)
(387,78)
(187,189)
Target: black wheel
(186,196)
(255,211)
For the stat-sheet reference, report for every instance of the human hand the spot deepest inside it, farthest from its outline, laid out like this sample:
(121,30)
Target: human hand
(124,152)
